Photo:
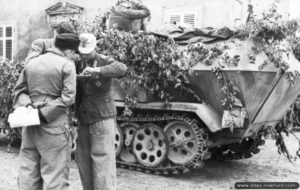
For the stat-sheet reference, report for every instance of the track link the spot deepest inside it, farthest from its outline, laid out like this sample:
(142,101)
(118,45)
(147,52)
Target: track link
(168,168)
(253,149)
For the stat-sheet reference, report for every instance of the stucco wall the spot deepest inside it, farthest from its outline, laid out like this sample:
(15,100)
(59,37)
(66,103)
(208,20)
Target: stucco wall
(31,24)
(29,17)
(8,17)
(215,13)
(30,20)
(260,6)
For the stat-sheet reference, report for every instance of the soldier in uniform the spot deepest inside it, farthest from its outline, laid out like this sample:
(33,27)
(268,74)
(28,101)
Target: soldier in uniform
(41,46)
(96,115)
(47,83)
(129,16)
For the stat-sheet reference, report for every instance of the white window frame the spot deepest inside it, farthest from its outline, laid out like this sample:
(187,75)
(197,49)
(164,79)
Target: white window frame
(4,38)
(181,15)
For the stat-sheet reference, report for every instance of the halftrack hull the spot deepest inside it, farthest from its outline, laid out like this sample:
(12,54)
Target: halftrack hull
(176,136)
(265,93)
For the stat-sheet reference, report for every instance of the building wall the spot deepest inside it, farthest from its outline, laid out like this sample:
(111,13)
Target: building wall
(260,6)
(294,9)
(8,17)
(215,13)
(30,19)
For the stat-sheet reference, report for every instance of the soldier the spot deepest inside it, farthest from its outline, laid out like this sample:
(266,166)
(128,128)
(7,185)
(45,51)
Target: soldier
(128,16)
(96,115)
(47,83)
(41,46)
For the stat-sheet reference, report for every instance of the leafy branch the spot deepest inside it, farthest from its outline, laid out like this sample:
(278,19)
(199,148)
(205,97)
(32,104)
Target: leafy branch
(229,90)
(9,74)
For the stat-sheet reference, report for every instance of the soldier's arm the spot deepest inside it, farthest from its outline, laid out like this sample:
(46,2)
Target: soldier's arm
(55,108)
(139,12)
(38,47)
(111,68)
(106,67)
(20,93)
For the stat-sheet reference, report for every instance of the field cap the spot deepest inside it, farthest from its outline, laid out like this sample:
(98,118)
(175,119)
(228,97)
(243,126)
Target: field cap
(67,41)
(87,43)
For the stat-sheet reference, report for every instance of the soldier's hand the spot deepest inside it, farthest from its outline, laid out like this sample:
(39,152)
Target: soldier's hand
(39,104)
(91,71)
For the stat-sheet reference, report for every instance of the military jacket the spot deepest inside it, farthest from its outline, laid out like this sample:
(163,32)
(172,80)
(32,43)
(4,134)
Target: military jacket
(94,100)
(48,82)
(126,18)
(39,47)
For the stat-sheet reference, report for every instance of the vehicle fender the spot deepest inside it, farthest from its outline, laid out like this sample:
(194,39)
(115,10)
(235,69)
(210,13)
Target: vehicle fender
(211,118)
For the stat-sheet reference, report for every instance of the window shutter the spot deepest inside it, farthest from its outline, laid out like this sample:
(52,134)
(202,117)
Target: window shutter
(189,19)
(8,49)
(1,31)
(1,48)
(174,19)
(6,42)
(9,31)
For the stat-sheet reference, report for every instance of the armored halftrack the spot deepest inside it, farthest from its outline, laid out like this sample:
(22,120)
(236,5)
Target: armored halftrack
(169,138)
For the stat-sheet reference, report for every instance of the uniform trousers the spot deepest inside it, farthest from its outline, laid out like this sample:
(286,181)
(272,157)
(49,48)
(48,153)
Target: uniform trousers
(45,157)
(96,155)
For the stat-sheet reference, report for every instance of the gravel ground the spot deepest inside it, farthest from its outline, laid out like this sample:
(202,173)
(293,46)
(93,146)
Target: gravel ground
(265,166)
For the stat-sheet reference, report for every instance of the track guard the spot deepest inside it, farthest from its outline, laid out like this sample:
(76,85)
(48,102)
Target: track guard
(205,112)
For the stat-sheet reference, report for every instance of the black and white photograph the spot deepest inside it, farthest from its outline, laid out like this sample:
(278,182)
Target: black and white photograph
(149,94)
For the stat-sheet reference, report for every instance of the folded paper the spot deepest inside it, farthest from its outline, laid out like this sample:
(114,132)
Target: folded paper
(23,117)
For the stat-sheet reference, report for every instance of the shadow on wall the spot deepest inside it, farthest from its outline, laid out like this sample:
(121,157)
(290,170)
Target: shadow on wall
(30,29)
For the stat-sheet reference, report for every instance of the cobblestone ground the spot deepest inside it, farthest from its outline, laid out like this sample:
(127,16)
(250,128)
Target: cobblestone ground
(265,166)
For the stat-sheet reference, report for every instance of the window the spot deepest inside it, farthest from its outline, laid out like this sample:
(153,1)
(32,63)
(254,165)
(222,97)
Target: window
(6,42)
(183,17)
